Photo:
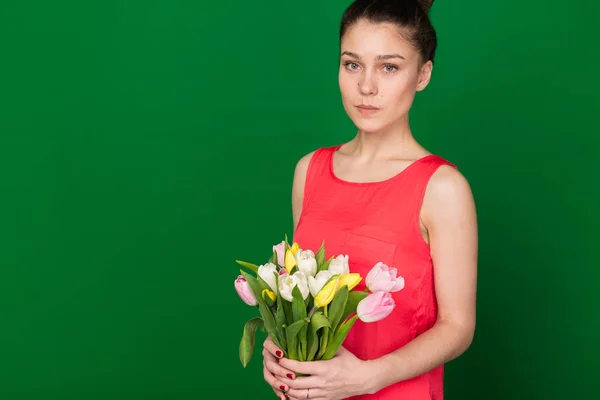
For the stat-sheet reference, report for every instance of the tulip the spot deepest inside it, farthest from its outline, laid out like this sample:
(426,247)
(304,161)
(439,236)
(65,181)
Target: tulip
(267,273)
(280,250)
(351,280)
(243,290)
(375,307)
(383,278)
(288,282)
(327,292)
(290,260)
(339,265)
(307,263)
(268,296)
(295,247)
(316,283)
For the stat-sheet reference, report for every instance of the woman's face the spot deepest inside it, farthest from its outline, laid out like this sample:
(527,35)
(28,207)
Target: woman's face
(379,75)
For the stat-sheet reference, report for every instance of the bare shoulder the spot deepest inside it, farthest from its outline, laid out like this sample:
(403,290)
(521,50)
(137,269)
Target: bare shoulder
(448,184)
(448,199)
(298,185)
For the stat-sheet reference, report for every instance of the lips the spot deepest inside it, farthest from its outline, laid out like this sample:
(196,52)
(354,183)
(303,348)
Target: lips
(365,107)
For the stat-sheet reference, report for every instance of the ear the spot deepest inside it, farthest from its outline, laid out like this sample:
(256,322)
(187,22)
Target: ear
(424,75)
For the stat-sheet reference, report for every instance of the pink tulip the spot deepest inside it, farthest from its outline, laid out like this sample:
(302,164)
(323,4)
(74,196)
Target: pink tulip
(280,249)
(375,307)
(382,278)
(244,291)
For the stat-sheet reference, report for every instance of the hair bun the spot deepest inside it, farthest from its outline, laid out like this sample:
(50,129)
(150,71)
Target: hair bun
(425,5)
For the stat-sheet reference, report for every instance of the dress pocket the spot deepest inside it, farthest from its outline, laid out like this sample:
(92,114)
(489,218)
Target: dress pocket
(366,251)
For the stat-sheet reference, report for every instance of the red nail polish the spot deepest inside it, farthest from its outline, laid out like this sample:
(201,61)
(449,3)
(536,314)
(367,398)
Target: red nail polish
(290,376)
(278,353)
(282,387)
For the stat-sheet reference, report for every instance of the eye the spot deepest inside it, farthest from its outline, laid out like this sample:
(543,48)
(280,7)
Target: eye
(351,65)
(390,68)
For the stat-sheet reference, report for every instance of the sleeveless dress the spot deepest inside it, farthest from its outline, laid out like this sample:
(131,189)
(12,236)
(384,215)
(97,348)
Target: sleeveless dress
(372,222)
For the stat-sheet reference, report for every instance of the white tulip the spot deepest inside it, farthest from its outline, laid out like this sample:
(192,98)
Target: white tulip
(316,283)
(339,265)
(287,283)
(267,273)
(307,263)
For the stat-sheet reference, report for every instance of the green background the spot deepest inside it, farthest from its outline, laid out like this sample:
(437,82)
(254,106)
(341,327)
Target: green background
(146,145)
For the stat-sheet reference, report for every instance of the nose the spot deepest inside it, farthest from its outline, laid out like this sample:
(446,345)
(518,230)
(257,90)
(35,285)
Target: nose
(367,84)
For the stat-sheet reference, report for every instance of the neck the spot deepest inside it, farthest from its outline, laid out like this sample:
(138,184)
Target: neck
(397,141)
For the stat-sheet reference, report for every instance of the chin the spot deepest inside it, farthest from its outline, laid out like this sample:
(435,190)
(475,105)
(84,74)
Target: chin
(369,125)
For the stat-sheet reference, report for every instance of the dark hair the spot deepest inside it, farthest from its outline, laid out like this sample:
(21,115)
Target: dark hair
(412,16)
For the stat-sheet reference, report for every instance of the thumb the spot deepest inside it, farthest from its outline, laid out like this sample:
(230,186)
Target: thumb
(342,351)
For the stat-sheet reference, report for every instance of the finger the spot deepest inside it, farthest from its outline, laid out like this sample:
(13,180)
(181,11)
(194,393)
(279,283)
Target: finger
(300,394)
(272,348)
(272,380)
(304,367)
(280,394)
(272,364)
(302,382)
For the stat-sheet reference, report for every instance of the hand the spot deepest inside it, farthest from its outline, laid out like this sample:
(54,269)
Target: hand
(345,375)
(272,371)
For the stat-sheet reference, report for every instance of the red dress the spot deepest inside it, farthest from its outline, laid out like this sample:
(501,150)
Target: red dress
(371,222)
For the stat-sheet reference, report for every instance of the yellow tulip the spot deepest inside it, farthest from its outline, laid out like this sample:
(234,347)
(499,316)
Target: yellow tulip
(327,292)
(351,280)
(295,247)
(268,296)
(290,260)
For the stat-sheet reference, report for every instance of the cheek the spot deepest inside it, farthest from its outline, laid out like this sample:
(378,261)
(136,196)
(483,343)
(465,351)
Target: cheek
(401,93)
(347,85)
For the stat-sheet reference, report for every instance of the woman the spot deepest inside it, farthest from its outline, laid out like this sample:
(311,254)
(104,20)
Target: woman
(383,197)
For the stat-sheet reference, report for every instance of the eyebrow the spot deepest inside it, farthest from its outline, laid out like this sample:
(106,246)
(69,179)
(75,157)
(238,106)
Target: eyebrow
(380,57)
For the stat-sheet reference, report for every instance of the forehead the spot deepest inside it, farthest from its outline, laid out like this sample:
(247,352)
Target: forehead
(369,40)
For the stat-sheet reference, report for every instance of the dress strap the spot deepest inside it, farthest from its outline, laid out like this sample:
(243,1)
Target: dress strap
(317,172)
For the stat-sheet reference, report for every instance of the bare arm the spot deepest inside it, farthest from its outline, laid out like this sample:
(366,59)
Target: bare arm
(448,212)
(298,186)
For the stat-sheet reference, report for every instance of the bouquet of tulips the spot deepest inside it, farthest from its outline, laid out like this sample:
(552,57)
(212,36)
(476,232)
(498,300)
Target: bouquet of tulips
(307,304)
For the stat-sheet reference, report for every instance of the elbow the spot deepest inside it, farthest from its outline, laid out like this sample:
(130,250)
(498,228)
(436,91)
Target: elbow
(462,334)
(465,334)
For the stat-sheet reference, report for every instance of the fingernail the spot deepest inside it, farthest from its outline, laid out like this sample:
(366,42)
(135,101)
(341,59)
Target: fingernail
(282,388)
(290,376)
(279,353)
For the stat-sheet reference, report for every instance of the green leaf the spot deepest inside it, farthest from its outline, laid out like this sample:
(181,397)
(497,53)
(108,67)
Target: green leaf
(287,307)
(273,258)
(337,306)
(298,306)
(320,256)
(280,321)
(323,342)
(250,266)
(325,265)
(354,298)
(265,310)
(262,284)
(299,313)
(317,322)
(338,339)
(291,333)
(276,283)
(294,270)
(248,339)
